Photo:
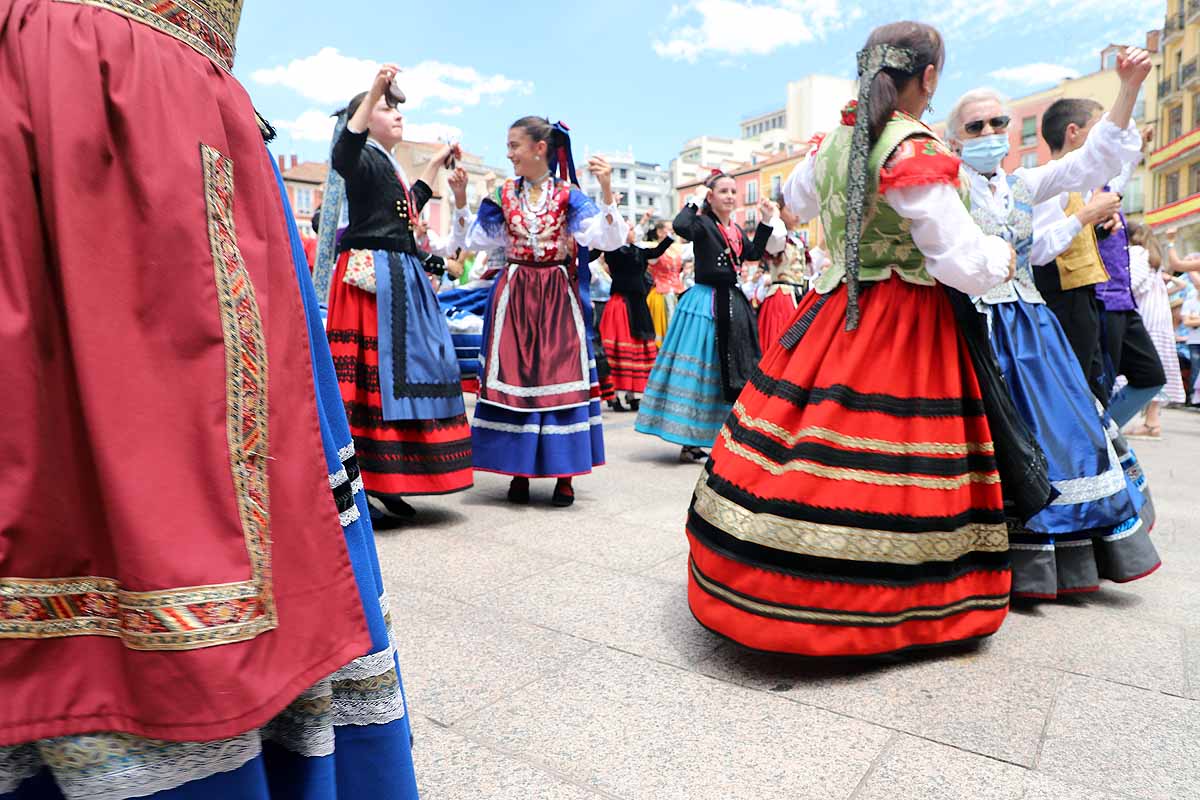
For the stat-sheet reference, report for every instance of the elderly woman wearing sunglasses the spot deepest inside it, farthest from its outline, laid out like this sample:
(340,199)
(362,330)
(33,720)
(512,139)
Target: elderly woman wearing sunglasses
(1056,552)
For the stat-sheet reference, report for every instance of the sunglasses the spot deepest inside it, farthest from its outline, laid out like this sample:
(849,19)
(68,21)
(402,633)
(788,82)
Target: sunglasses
(976,127)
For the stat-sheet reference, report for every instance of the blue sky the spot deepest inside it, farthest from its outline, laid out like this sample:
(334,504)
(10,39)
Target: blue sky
(643,73)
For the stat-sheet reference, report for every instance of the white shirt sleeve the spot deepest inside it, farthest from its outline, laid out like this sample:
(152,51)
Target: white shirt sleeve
(1053,230)
(1119,183)
(957,253)
(600,234)
(440,245)
(778,240)
(1105,152)
(467,233)
(800,191)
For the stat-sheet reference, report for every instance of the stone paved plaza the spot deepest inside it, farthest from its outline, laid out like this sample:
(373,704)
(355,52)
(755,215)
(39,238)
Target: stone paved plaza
(550,655)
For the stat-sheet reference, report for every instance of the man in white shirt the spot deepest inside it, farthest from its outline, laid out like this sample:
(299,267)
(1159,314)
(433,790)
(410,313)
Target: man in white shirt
(1067,261)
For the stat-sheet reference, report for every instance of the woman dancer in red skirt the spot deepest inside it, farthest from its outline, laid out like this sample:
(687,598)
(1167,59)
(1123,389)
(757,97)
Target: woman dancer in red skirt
(852,504)
(627,328)
(396,362)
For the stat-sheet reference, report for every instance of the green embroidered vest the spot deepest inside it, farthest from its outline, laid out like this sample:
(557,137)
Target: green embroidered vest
(887,246)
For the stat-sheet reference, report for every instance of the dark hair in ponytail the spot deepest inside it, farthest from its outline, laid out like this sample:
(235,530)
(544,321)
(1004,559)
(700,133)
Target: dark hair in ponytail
(711,183)
(927,46)
(540,130)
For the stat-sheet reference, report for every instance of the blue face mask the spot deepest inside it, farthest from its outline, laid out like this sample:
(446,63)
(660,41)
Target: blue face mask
(985,153)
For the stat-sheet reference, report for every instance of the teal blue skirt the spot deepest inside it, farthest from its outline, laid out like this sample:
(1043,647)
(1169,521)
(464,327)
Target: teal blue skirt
(683,402)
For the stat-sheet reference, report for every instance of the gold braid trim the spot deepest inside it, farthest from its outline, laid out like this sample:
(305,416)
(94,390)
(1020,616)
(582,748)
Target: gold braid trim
(856,475)
(847,544)
(859,442)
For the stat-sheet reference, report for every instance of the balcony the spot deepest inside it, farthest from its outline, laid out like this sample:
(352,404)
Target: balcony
(1173,27)
(1167,87)
(1189,72)
(1193,10)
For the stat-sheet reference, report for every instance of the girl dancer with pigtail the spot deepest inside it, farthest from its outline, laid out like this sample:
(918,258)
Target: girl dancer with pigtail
(538,413)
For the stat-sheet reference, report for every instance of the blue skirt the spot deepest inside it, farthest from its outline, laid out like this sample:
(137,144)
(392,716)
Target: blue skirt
(346,737)
(418,367)
(1092,530)
(1051,393)
(683,402)
(539,444)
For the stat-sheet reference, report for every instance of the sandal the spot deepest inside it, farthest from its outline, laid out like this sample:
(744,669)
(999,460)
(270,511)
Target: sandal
(1145,432)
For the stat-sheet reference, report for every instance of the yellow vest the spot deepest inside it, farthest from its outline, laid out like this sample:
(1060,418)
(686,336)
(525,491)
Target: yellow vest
(1080,264)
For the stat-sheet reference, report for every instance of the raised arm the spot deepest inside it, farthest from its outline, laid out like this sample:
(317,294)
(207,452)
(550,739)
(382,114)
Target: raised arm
(444,157)
(660,249)
(1107,151)
(1174,261)
(348,148)
(776,240)
(595,227)
(346,158)
(687,222)
(482,231)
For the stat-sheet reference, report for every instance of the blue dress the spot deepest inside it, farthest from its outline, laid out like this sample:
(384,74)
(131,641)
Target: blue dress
(1092,530)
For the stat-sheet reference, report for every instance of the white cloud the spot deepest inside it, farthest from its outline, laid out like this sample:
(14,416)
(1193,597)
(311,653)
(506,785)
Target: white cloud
(965,20)
(317,126)
(311,126)
(326,77)
(431,132)
(330,77)
(1034,74)
(452,111)
(738,27)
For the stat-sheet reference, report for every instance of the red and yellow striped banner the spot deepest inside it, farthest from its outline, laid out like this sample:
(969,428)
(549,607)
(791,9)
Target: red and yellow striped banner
(1174,149)
(1174,212)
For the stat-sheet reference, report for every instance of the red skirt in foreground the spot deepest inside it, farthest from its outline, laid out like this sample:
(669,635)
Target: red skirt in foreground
(852,504)
(171,562)
(776,314)
(629,358)
(397,457)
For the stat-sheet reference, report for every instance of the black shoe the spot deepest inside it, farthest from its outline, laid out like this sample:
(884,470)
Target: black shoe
(398,508)
(692,455)
(615,405)
(564,495)
(635,404)
(383,522)
(518,491)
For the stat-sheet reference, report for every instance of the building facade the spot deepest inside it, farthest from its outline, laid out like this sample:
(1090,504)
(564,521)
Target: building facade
(643,186)
(304,182)
(1175,161)
(701,155)
(813,104)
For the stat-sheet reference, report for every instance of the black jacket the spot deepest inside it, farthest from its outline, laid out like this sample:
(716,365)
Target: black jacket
(380,213)
(627,266)
(737,326)
(713,265)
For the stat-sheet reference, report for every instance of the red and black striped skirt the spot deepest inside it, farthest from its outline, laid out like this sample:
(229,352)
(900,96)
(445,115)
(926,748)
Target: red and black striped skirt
(629,358)
(396,457)
(852,504)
